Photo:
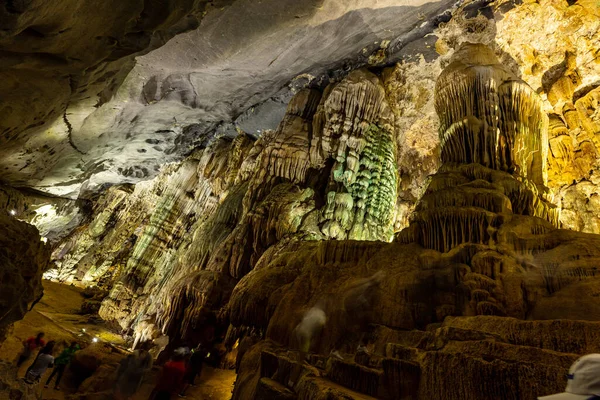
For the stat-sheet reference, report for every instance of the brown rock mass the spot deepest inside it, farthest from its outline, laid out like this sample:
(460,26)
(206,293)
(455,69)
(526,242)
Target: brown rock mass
(23,259)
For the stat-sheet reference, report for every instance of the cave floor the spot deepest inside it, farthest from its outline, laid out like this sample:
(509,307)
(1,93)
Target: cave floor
(57,314)
(213,384)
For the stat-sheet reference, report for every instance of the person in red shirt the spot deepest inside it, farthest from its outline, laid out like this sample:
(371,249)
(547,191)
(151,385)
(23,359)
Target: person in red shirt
(29,346)
(170,381)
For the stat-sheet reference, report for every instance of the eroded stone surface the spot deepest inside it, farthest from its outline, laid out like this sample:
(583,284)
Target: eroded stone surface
(24,257)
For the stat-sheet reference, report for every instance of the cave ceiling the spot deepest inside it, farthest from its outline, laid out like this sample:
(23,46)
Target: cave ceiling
(93,97)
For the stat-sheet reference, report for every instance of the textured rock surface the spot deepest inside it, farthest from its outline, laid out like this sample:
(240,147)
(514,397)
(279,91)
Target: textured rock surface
(23,258)
(239,57)
(73,56)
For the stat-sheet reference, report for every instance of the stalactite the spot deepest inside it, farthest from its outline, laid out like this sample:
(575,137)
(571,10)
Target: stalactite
(285,155)
(164,229)
(352,127)
(445,228)
(490,117)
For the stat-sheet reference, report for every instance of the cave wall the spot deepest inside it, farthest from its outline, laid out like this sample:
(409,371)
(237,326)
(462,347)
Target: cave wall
(61,62)
(23,259)
(172,249)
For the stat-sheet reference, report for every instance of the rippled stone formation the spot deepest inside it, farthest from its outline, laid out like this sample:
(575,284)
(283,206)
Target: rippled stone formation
(354,128)
(490,117)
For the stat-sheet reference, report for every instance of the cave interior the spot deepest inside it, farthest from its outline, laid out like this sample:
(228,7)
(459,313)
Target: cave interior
(337,199)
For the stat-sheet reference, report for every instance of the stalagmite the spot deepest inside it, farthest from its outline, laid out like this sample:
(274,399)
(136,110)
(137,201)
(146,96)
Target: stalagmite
(490,117)
(494,146)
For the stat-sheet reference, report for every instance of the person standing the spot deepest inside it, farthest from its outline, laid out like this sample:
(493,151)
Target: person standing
(171,378)
(304,334)
(131,373)
(60,364)
(194,367)
(29,346)
(43,361)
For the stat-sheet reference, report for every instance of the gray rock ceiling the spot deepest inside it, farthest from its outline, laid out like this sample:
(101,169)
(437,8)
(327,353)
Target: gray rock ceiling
(93,95)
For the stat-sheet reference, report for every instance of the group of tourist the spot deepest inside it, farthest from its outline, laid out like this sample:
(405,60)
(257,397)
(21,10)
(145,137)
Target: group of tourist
(176,376)
(45,359)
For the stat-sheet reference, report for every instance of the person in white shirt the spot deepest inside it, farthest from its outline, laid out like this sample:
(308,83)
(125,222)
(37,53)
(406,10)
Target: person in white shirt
(42,362)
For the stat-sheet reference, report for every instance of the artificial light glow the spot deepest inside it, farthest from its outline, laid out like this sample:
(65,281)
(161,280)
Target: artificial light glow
(13,212)
(95,340)
(82,329)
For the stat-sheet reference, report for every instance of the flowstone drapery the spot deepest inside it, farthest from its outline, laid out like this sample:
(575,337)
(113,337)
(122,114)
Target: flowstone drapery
(490,117)
(494,146)
(482,242)
(412,206)
(353,126)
